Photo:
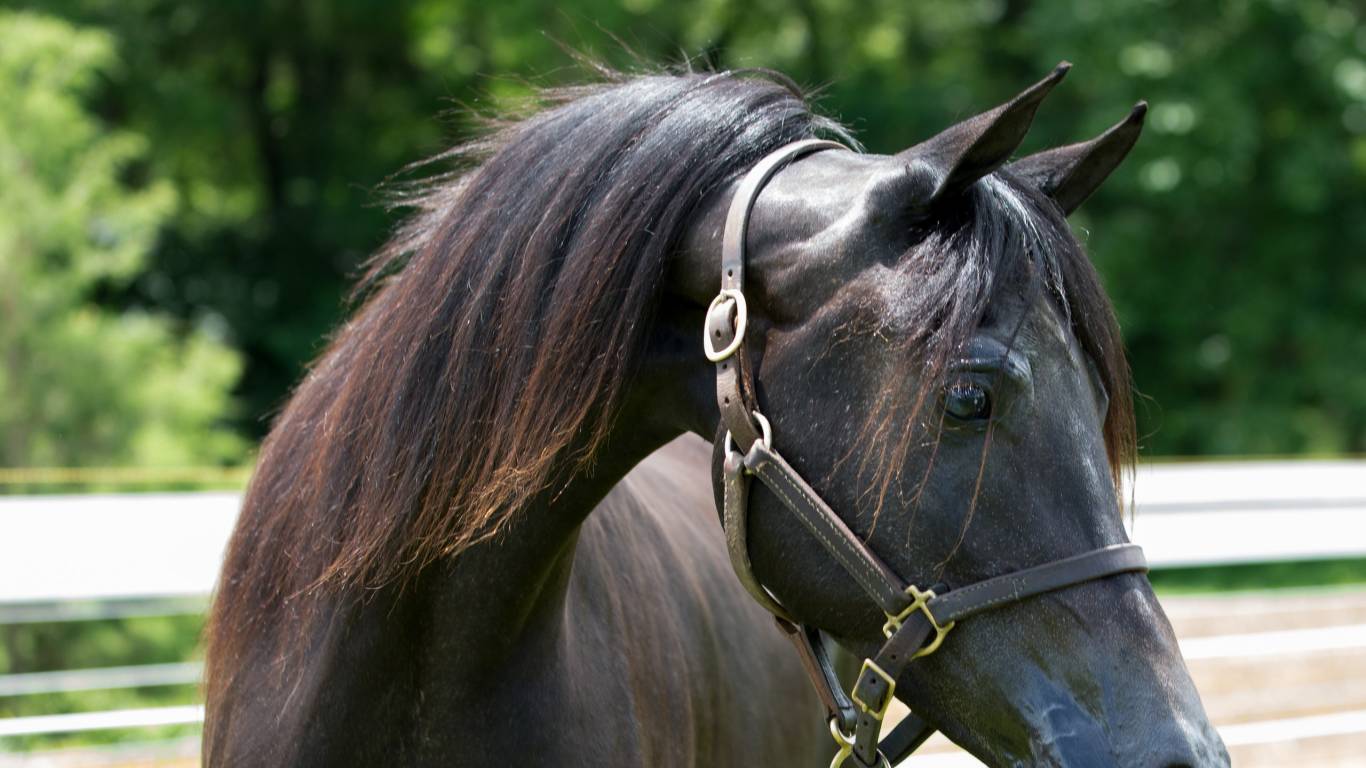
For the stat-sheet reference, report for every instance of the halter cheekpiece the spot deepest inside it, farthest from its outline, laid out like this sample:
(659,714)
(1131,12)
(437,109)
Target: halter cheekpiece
(918,619)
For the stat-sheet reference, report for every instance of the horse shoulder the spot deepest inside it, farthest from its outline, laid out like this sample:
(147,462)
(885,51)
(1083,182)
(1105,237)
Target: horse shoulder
(657,616)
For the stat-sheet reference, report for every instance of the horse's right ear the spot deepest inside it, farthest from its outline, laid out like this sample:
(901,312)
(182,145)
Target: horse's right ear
(1070,174)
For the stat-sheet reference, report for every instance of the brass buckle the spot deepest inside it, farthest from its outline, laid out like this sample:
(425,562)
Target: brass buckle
(844,741)
(919,602)
(870,666)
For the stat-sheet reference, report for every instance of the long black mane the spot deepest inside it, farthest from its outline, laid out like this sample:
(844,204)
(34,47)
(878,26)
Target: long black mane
(494,350)
(507,316)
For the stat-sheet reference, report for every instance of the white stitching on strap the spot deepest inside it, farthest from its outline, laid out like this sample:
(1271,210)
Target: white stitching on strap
(870,573)
(1015,594)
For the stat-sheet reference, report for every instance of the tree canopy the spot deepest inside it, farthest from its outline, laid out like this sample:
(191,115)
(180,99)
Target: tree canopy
(84,382)
(234,151)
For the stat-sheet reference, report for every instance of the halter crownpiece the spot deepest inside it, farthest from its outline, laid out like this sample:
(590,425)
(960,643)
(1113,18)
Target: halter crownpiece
(918,619)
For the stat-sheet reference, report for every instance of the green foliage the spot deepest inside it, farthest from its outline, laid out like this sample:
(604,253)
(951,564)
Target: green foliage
(1231,241)
(63,645)
(81,383)
(1259,576)
(186,187)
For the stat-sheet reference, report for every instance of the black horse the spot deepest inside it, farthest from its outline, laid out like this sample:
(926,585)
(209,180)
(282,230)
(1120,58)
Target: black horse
(446,558)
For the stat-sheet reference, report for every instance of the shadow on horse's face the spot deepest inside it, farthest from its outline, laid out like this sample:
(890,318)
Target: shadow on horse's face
(992,460)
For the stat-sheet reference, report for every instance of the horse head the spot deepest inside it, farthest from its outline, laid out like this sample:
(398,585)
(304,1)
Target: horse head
(927,345)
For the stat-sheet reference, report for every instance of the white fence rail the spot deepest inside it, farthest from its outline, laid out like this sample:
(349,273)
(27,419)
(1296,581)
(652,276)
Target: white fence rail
(65,549)
(103,678)
(74,722)
(1209,513)
(61,549)
(72,558)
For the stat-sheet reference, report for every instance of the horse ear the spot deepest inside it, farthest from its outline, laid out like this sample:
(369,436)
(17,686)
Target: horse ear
(952,160)
(1070,174)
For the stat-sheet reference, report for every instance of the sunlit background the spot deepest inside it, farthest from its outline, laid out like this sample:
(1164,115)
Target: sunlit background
(187,187)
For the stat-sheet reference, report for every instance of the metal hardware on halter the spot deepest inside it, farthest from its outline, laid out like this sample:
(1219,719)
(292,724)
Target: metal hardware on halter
(919,602)
(839,735)
(845,742)
(879,711)
(846,750)
(907,635)
(741,322)
(767,438)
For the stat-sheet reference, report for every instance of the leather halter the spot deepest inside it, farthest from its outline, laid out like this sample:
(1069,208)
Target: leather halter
(917,619)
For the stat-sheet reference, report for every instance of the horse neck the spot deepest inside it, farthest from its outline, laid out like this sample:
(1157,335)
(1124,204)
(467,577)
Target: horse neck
(516,583)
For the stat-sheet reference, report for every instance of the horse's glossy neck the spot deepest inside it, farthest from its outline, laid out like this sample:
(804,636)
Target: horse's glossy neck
(515,582)
(480,634)
(673,391)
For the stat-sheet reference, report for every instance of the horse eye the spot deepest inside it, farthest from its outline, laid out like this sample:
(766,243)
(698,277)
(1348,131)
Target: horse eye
(967,402)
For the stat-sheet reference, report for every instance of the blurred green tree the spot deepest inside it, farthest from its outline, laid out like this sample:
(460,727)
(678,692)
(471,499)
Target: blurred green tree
(81,383)
(1231,242)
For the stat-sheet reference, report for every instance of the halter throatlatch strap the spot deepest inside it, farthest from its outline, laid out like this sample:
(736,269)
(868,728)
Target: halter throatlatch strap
(918,620)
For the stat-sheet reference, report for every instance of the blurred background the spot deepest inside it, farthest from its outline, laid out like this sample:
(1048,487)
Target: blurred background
(188,187)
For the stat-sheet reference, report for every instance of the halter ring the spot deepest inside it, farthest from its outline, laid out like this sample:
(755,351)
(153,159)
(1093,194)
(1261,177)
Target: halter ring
(841,738)
(845,742)
(764,427)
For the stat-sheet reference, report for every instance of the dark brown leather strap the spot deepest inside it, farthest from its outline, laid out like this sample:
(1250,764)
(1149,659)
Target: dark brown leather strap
(737,218)
(884,586)
(727,317)
(735,522)
(906,738)
(816,661)
(918,621)
(876,683)
(1013,587)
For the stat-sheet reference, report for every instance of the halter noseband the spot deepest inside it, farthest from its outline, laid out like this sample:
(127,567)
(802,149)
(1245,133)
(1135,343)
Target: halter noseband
(917,619)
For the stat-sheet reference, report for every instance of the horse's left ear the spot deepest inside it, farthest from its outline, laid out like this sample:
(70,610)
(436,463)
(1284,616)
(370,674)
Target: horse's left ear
(957,157)
(1070,174)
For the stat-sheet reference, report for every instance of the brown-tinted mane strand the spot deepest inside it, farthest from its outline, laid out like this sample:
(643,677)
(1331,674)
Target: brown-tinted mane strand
(1000,236)
(499,328)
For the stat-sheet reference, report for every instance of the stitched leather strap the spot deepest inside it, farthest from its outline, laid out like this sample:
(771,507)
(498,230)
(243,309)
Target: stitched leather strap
(872,574)
(816,661)
(876,682)
(914,616)
(1012,587)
